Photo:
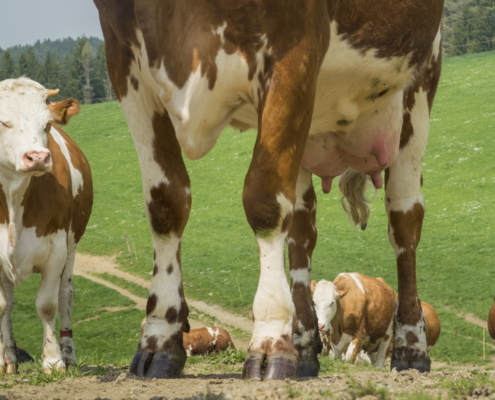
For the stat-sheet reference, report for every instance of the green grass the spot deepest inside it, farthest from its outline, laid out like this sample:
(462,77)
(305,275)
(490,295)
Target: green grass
(109,335)
(219,252)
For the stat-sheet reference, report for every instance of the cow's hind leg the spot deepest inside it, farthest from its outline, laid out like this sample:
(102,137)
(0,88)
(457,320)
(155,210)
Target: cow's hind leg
(301,242)
(405,208)
(167,194)
(66,295)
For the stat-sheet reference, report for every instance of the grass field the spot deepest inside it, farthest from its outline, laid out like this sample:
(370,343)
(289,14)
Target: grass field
(220,256)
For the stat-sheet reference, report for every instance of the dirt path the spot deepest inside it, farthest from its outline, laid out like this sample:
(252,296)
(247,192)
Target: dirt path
(89,266)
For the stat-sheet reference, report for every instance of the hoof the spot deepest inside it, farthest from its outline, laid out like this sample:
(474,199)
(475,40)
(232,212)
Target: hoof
(421,365)
(308,368)
(253,366)
(399,365)
(160,365)
(281,366)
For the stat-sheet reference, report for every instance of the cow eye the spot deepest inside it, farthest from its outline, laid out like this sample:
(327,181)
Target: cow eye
(375,96)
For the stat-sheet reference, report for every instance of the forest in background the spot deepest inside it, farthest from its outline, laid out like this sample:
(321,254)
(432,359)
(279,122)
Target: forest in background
(78,68)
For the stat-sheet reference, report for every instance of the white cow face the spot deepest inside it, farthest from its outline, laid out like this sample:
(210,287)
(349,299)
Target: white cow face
(24,123)
(325,299)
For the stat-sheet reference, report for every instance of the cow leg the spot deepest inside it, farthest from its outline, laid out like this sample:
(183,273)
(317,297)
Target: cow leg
(269,199)
(405,208)
(341,347)
(47,307)
(378,356)
(301,242)
(354,348)
(8,352)
(167,194)
(65,297)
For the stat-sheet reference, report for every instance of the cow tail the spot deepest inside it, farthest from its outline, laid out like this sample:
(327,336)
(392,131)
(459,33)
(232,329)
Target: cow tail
(8,269)
(354,201)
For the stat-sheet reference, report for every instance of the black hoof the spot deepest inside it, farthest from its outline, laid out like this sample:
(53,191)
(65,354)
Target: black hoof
(253,366)
(308,368)
(280,366)
(399,365)
(422,365)
(161,364)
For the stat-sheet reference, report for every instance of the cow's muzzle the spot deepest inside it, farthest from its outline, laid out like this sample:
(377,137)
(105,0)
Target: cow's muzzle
(39,161)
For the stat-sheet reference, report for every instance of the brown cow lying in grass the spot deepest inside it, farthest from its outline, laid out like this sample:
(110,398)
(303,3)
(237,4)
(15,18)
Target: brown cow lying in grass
(198,342)
(203,341)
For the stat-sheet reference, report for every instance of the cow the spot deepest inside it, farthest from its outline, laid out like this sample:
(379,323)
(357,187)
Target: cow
(332,87)
(356,313)
(432,323)
(46,197)
(491,321)
(206,340)
(202,341)
(358,325)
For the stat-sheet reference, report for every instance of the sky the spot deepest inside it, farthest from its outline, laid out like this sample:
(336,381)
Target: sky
(23,22)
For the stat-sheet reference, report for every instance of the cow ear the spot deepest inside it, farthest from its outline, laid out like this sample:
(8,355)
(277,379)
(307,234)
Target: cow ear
(63,110)
(342,292)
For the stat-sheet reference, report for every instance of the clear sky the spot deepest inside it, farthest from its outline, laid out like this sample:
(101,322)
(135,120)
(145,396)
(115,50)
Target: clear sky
(23,22)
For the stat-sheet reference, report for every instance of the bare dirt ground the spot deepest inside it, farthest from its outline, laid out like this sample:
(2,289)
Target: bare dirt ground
(360,385)
(204,381)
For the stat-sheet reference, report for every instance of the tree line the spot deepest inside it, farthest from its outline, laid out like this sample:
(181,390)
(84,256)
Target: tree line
(468,26)
(77,68)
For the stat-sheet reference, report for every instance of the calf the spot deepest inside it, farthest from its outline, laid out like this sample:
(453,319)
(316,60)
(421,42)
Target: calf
(202,341)
(46,196)
(356,312)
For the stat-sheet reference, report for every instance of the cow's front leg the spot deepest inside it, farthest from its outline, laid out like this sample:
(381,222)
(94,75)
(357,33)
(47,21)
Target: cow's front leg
(8,352)
(65,297)
(47,307)
(354,348)
(167,194)
(301,242)
(269,198)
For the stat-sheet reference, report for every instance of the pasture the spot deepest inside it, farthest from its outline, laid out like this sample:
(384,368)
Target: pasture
(220,256)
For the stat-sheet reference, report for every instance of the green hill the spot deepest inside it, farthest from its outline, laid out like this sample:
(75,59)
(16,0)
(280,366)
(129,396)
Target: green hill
(220,256)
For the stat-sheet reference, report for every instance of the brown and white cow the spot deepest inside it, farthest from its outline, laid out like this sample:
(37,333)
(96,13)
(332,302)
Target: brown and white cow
(491,321)
(331,86)
(356,312)
(46,196)
(203,341)
(206,340)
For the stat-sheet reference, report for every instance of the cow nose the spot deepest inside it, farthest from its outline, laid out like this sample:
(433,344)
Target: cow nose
(37,160)
(321,327)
